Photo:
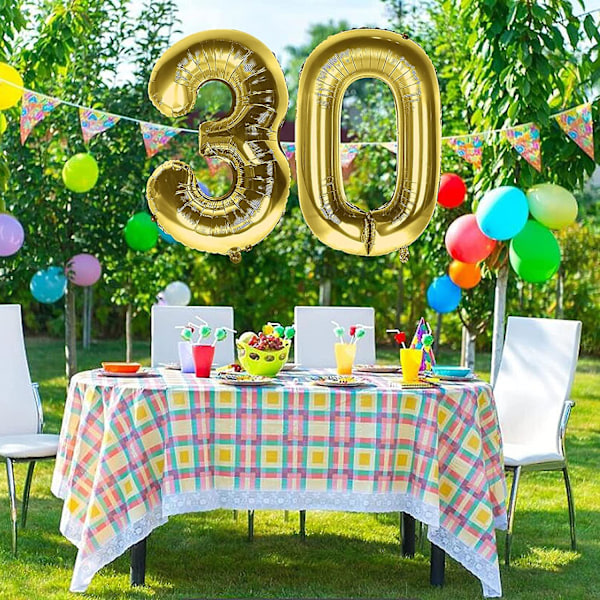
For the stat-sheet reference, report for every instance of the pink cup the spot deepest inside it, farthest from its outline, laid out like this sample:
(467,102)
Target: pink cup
(203,359)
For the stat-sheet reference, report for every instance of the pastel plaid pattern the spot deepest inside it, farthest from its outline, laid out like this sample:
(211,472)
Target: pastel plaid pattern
(129,444)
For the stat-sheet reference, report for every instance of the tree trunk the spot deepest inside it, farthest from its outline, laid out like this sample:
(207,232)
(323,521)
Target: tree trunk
(128,333)
(70,333)
(499,314)
(400,298)
(325,292)
(87,317)
(560,290)
(467,357)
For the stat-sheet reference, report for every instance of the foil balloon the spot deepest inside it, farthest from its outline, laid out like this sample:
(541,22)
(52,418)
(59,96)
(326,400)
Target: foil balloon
(247,138)
(327,73)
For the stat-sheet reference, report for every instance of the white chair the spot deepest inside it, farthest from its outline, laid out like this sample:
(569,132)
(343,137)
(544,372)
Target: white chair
(165,336)
(532,396)
(21,418)
(314,342)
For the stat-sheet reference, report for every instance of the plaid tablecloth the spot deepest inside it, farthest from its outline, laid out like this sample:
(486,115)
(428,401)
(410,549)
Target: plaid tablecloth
(134,451)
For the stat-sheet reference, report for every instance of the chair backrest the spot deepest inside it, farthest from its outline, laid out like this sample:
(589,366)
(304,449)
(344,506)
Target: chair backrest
(314,342)
(166,338)
(18,405)
(536,373)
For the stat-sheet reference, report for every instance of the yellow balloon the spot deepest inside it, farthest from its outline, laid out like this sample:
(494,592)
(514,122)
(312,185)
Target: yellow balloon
(2,123)
(328,71)
(247,138)
(9,94)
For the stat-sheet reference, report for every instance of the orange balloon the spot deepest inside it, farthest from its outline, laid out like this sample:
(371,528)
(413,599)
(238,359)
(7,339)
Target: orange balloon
(464,275)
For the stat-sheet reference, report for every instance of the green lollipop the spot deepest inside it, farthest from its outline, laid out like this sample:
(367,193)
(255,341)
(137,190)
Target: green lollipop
(360,332)
(279,330)
(289,332)
(205,331)
(186,334)
(220,334)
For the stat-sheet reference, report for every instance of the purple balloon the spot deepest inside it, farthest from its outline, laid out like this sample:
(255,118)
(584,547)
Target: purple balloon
(11,235)
(83,269)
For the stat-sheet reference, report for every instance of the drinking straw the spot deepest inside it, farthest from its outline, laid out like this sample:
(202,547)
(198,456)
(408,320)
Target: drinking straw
(339,331)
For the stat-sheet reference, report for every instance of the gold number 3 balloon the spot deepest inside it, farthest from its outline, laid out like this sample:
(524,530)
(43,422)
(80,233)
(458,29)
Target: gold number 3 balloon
(247,138)
(329,70)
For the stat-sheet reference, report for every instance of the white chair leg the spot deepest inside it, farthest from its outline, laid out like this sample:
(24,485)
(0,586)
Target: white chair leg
(26,491)
(12,493)
(511,513)
(571,504)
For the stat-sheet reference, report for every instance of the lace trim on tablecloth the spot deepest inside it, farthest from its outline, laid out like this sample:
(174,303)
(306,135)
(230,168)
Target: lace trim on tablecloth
(300,500)
(486,571)
(86,568)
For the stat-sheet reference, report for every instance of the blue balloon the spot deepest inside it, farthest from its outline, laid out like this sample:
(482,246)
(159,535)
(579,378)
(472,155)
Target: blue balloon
(48,285)
(502,212)
(167,237)
(443,295)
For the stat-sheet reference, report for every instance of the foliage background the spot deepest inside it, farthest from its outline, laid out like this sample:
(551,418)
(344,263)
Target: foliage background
(499,63)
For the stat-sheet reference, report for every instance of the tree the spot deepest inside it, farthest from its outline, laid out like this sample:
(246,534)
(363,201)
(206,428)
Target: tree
(526,62)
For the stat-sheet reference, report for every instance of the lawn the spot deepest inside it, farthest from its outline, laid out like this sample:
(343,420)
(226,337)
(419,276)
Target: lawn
(345,555)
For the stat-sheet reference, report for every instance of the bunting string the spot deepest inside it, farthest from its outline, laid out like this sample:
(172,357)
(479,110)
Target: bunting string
(575,122)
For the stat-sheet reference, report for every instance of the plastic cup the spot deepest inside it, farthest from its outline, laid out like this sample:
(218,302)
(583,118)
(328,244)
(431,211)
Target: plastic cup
(410,359)
(186,358)
(203,359)
(344,358)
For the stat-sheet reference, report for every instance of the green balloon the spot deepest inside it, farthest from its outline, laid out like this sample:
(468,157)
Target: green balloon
(534,253)
(80,173)
(552,205)
(141,232)
(2,123)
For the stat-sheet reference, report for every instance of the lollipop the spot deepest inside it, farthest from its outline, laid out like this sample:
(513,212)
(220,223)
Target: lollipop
(339,331)
(289,332)
(399,336)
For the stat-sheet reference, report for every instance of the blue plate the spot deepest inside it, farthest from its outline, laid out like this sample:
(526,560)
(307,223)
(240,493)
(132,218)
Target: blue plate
(451,371)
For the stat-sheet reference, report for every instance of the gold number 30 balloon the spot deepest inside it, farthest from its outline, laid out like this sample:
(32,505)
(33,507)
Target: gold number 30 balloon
(247,138)
(329,70)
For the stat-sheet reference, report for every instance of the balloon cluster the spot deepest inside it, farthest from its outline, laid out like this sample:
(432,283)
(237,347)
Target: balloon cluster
(50,284)
(501,216)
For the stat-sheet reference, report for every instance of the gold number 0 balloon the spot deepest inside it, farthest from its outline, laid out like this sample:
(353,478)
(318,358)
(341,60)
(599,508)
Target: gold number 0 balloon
(247,138)
(328,71)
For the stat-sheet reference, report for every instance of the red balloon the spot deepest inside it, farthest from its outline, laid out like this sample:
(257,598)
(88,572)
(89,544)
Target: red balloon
(466,242)
(452,191)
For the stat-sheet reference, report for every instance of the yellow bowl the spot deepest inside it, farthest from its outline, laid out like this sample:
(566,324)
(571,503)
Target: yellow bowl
(262,362)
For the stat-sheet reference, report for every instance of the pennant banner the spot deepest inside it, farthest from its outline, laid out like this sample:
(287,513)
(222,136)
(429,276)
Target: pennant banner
(577,124)
(391,146)
(34,108)
(468,147)
(94,122)
(156,137)
(289,149)
(525,139)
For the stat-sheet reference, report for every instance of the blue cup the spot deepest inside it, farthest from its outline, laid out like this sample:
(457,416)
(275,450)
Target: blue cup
(186,358)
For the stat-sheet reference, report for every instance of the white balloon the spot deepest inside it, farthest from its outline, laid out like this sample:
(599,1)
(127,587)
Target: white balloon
(177,293)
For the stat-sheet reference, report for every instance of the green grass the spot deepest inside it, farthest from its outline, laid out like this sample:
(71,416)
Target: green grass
(345,555)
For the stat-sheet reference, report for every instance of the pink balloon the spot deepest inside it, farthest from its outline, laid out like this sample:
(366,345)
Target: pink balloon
(11,235)
(466,242)
(83,269)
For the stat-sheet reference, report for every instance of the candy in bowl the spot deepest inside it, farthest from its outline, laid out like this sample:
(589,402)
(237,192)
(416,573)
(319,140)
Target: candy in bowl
(263,353)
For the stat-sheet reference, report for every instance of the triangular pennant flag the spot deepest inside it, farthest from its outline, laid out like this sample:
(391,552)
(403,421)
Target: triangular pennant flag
(391,146)
(577,124)
(289,149)
(347,155)
(94,122)
(34,108)
(156,137)
(469,147)
(525,139)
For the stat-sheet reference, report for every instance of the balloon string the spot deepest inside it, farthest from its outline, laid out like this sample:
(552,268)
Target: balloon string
(183,130)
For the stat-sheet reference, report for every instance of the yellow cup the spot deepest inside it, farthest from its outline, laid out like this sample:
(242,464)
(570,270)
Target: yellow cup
(344,358)
(410,359)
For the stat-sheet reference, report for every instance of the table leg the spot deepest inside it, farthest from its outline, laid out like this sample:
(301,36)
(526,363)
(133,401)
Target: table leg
(438,566)
(407,531)
(137,568)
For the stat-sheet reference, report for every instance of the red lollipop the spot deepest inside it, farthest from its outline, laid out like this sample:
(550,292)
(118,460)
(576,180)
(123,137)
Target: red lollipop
(452,191)
(466,242)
